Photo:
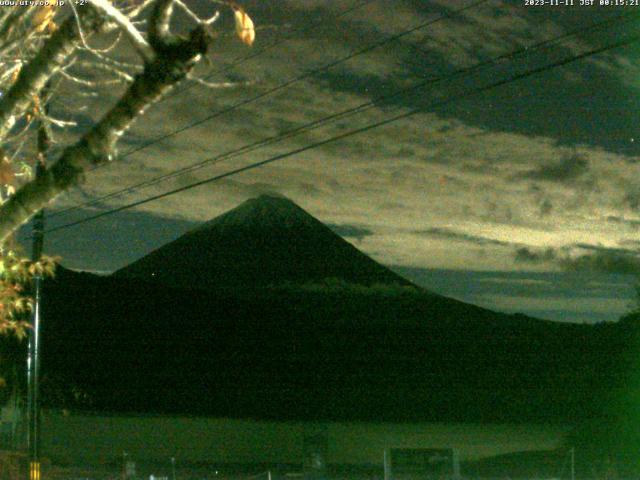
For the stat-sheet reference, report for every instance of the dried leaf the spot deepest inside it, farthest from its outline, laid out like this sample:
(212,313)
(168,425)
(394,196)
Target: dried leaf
(244,26)
(36,105)
(16,72)
(7,175)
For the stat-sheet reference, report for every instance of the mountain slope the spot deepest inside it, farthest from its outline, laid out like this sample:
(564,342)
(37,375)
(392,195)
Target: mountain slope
(302,325)
(341,352)
(265,241)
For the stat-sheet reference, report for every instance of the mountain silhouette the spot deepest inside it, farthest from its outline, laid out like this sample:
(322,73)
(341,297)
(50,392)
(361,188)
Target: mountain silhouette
(264,312)
(265,241)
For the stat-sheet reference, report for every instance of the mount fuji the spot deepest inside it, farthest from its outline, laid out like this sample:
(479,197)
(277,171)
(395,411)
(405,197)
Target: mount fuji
(265,241)
(264,312)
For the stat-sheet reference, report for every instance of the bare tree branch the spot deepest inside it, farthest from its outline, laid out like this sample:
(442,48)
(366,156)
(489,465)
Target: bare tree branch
(134,11)
(176,60)
(219,85)
(108,69)
(12,19)
(159,27)
(134,36)
(38,71)
(183,6)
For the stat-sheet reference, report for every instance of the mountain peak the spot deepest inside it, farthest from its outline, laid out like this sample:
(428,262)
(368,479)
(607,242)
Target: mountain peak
(271,197)
(270,200)
(268,210)
(268,240)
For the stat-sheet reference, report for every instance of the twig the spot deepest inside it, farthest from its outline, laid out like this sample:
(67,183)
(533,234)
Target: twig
(132,33)
(140,8)
(159,27)
(35,74)
(116,72)
(171,64)
(218,85)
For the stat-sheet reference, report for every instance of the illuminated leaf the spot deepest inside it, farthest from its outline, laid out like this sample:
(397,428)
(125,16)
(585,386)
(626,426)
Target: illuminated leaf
(36,105)
(16,72)
(20,329)
(244,26)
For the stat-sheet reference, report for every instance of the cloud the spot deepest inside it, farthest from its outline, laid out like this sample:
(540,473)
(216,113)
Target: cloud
(584,258)
(604,261)
(632,199)
(631,223)
(446,233)
(563,296)
(350,231)
(546,207)
(529,255)
(436,189)
(630,242)
(567,169)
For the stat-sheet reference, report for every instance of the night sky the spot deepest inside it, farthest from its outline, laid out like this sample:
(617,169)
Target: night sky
(522,198)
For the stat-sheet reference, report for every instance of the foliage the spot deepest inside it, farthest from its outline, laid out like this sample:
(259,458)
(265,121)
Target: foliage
(16,275)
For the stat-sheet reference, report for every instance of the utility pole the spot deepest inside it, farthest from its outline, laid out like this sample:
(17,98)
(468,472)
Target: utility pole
(33,353)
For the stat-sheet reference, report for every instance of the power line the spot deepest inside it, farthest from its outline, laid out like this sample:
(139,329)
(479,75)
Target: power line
(282,86)
(277,42)
(347,113)
(235,63)
(257,52)
(339,115)
(491,86)
(297,79)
